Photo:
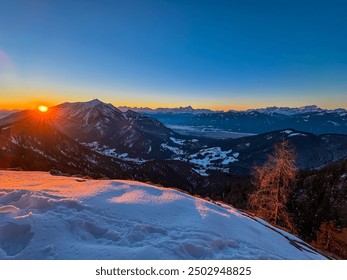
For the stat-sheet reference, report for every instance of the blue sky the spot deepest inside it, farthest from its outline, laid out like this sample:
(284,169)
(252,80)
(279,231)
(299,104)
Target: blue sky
(214,54)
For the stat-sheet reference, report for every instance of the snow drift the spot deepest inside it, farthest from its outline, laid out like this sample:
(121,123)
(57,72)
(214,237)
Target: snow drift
(47,217)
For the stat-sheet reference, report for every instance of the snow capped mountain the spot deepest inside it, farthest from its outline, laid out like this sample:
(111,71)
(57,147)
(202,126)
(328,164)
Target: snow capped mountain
(178,110)
(310,119)
(45,217)
(288,111)
(295,111)
(107,130)
(77,108)
(183,110)
(88,121)
(135,109)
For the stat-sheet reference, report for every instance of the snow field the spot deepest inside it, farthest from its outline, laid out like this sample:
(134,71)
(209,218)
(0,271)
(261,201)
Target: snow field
(47,217)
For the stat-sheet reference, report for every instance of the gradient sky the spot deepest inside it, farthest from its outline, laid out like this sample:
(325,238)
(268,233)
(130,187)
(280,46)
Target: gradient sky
(212,54)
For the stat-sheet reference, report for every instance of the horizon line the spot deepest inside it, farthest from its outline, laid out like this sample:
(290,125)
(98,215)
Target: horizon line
(179,107)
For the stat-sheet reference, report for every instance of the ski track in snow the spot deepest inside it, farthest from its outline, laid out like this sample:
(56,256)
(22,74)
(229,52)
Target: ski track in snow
(47,217)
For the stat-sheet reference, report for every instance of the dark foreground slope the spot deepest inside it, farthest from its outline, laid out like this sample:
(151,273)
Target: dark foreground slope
(32,143)
(319,205)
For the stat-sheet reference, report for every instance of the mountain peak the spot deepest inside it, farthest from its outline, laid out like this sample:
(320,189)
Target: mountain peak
(186,108)
(94,102)
(310,107)
(78,107)
(288,110)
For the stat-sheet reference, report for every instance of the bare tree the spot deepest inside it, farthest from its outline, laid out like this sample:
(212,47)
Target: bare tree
(272,182)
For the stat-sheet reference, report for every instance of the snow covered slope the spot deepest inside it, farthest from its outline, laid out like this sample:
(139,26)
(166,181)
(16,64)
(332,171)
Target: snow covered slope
(103,127)
(47,217)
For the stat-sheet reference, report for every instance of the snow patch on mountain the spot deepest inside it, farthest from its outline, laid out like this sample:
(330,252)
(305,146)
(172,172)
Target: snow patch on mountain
(287,110)
(177,141)
(292,133)
(212,159)
(88,113)
(112,152)
(48,217)
(334,123)
(175,150)
(178,110)
(296,134)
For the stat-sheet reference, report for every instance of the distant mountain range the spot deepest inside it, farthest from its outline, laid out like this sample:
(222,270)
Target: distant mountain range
(312,120)
(178,110)
(204,122)
(83,136)
(268,110)
(190,110)
(294,111)
(200,121)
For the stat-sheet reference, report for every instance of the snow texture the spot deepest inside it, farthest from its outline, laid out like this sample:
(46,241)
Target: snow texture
(212,159)
(177,141)
(296,134)
(50,217)
(112,152)
(175,150)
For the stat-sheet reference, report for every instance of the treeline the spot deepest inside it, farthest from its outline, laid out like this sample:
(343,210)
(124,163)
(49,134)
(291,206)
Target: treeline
(310,204)
(319,206)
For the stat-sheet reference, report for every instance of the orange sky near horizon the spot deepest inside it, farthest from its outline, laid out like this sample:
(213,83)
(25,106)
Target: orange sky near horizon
(31,98)
(28,103)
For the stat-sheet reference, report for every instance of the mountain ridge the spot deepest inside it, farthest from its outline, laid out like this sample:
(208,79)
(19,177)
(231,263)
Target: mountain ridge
(267,110)
(136,138)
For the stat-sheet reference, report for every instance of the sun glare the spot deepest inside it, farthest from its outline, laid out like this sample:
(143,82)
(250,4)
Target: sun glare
(42,108)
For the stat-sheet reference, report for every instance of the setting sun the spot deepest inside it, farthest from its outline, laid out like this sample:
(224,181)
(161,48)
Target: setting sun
(42,108)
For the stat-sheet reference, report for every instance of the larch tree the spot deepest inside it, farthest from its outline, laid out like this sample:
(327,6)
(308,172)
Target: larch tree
(272,183)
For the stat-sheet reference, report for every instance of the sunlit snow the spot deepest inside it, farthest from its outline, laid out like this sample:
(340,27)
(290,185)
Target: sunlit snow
(54,217)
